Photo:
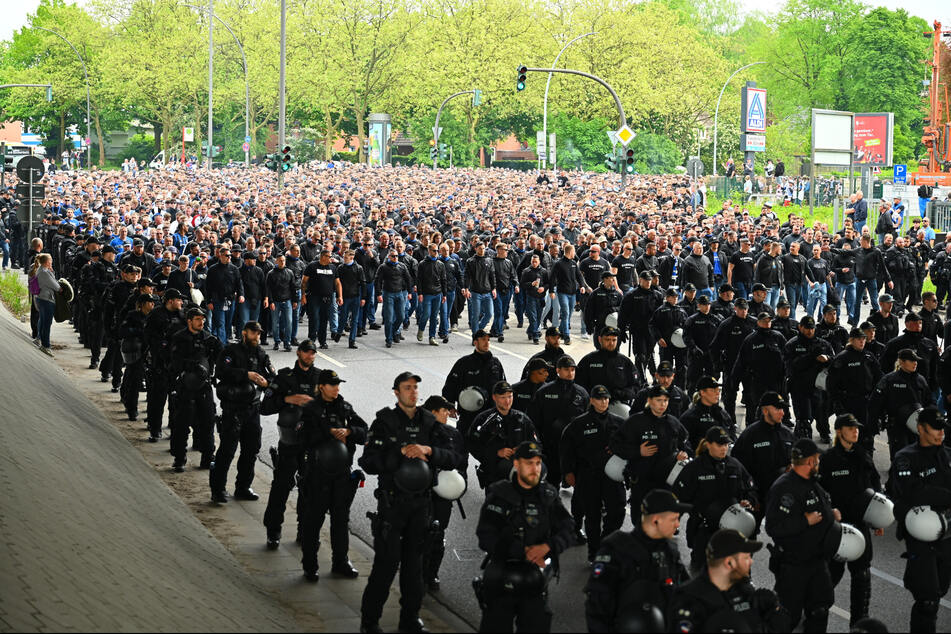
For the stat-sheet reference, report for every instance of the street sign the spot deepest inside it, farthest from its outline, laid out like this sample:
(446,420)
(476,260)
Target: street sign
(476,97)
(753,142)
(188,135)
(695,167)
(245,146)
(625,135)
(247,139)
(436,132)
(898,189)
(37,192)
(901,174)
(540,143)
(551,148)
(612,135)
(30,165)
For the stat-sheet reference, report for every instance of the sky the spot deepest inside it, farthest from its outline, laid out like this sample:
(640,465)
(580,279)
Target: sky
(13,14)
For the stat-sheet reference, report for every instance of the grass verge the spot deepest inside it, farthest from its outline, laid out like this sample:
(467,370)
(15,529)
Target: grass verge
(14,295)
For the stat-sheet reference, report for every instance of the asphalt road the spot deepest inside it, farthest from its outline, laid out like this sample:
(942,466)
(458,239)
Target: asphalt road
(369,372)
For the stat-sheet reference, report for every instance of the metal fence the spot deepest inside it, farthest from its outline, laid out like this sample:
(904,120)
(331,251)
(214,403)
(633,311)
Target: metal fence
(940,214)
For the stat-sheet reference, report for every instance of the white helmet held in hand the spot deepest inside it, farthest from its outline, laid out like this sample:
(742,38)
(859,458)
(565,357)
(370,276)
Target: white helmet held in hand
(450,485)
(614,468)
(471,399)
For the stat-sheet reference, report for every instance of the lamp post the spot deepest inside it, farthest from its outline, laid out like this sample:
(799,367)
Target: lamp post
(282,91)
(86,75)
(247,92)
(554,64)
(716,114)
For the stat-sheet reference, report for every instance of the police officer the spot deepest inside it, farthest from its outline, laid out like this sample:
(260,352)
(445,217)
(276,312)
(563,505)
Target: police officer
(799,517)
(921,476)
(699,331)
(635,573)
(764,447)
(847,472)
(637,307)
(552,352)
(116,297)
(730,335)
(523,528)
(404,443)
(705,412)
(711,483)
(872,344)
(329,432)
(651,441)
(584,452)
(668,318)
(194,354)
(95,278)
(664,377)
(914,339)
(159,327)
(896,393)
(830,329)
(759,364)
(721,598)
(442,508)
(806,355)
(495,434)
(722,307)
(885,322)
(783,323)
(132,334)
(609,368)
(853,375)
(536,376)
(288,393)
(241,369)
(603,301)
(479,369)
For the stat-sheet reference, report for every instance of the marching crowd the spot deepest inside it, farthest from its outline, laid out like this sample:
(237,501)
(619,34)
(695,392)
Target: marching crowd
(179,283)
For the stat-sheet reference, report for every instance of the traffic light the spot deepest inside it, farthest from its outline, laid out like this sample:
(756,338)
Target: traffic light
(476,97)
(7,163)
(522,76)
(629,160)
(610,160)
(271,162)
(286,159)
(443,151)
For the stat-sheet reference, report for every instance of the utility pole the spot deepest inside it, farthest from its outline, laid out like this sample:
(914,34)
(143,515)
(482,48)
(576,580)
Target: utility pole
(211,68)
(282,113)
(544,159)
(436,129)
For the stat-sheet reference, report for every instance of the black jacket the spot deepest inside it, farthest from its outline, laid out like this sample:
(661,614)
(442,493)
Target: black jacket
(223,283)
(431,277)
(789,499)
(764,450)
(479,274)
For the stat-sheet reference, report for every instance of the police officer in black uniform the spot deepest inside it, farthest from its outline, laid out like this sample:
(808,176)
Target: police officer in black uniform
(132,334)
(847,472)
(241,369)
(799,518)
(885,322)
(783,323)
(160,325)
(194,355)
(495,433)
(480,369)
(404,443)
(329,432)
(853,375)
(830,329)
(806,355)
(921,476)
(759,364)
(536,375)
(895,395)
(711,483)
(603,301)
(609,368)
(115,299)
(914,339)
(706,412)
(286,396)
(635,573)
(95,279)
(730,335)
(552,352)
(699,331)
(523,528)
(664,377)
(668,318)
(637,307)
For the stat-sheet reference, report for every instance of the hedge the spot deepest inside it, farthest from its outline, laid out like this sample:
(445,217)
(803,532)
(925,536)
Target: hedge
(346,156)
(409,159)
(522,166)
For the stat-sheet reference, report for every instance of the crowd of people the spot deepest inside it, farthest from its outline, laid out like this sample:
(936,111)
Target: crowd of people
(184,279)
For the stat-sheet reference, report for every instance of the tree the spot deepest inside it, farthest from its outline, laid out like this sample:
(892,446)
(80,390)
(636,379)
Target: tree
(655,154)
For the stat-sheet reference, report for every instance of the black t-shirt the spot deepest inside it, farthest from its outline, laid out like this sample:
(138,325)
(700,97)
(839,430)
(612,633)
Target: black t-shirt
(742,266)
(320,279)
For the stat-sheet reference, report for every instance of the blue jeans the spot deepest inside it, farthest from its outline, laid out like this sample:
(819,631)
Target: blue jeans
(248,311)
(519,307)
(429,313)
(566,306)
(772,296)
(551,303)
(368,312)
(350,316)
(333,316)
(742,289)
(221,320)
(500,306)
(533,310)
(793,295)
(393,306)
(281,322)
(409,308)
(860,287)
(6,253)
(859,226)
(318,317)
(445,308)
(45,321)
(817,296)
(480,310)
(848,290)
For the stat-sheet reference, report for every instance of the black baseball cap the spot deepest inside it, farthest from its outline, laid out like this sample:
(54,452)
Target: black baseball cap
(144,298)
(552,331)
(718,435)
(764,316)
(329,377)
(405,376)
(172,293)
(703,299)
(665,368)
(729,541)
(808,322)
(805,448)
(671,292)
(662,501)
(306,346)
(773,399)
(759,286)
(194,312)
(933,418)
(478,334)
(847,420)
(599,391)
(565,361)
(610,331)
(783,303)
(145,282)
(537,363)
(252,325)
(740,303)
(528,449)
(606,274)
(907,354)
(656,391)
(912,316)
(502,387)
(644,275)
(856,333)
(707,383)
(689,287)
(828,308)
(435,402)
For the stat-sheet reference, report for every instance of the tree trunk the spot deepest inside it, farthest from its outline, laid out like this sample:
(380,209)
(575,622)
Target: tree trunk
(328,134)
(157,139)
(61,146)
(102,143)
(361,135)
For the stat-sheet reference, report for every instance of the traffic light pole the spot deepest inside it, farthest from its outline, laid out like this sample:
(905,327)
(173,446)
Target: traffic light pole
(617,100)
(436,129)
(282,108)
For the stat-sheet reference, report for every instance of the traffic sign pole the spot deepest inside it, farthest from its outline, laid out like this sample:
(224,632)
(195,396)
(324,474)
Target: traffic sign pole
(436,129)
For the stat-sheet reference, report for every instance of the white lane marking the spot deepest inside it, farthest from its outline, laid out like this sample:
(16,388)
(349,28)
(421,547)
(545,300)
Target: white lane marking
(901,584)
(332,360)
(495,347)
(839,611)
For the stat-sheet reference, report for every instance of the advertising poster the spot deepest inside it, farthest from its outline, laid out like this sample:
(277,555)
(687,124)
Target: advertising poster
(872,139)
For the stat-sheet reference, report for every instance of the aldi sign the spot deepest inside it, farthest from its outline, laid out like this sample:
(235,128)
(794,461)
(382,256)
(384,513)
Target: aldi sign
(754,109)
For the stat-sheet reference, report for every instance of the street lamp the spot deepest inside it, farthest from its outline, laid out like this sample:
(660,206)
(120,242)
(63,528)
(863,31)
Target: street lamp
(247,92)
(86,74)
(554,64)
(716,114)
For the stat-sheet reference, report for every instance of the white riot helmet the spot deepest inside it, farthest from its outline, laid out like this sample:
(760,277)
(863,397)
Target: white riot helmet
(927,525)
(821,380)
(879,510)
(844,542)
(677,338)
(471,399)
(738,518)
(611,320)
(675,471)
(619,409)
(909,414)
(450,485)
(614,468)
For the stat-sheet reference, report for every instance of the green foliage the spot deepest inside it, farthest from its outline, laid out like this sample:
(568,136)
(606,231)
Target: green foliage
(403,160)
(577,139)
(13,294)
(655,154)
(352,157)
(140,148)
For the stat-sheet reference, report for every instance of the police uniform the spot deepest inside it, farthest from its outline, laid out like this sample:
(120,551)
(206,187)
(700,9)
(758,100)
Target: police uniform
(327,484)
(554,405)
(699,331)
(665,320)
(601,303)
(921,476)
(730,335)
(550,355)
(699,417)
(116,297)
(677,399)
(491,432)
(634,575)
(802,367)
(799,558)
(524,390)
(514,517)
(637,307)
(853,375)
(159,326)
(473,370)
(759,366)
(402,520)
(895,393)
(132,334)
(611,369)
(287,458)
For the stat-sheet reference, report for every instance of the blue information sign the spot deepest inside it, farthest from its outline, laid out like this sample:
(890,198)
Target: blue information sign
(901,174)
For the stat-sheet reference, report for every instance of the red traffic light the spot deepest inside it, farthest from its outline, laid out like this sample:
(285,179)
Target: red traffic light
(287,149)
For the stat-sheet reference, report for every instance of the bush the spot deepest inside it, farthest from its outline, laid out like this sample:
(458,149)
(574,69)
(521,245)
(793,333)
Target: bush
(407,160)
(141,148)
(346,156)
(522,166)
(13,294)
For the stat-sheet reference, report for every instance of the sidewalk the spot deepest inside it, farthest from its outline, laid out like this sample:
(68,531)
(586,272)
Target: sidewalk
(330,605)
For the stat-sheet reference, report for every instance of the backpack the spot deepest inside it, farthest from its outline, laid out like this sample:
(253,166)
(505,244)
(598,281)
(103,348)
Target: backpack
(34,285)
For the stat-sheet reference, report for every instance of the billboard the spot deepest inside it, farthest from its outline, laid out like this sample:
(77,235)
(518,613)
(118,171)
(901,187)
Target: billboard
(753,103)
(831,137)
(872,139)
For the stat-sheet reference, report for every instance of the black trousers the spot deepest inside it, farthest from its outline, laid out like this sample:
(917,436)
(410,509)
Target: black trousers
(442,512)
(809,406)
(94,337)
(285,472)
(131,384)
(112,362)
(603,502)
(398,542)
(321,495)
(805,590)
(237,427)
(860,577)
(927,577)
(159,385)
(678,358)
(527,615)
(698,365)
(193,410)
